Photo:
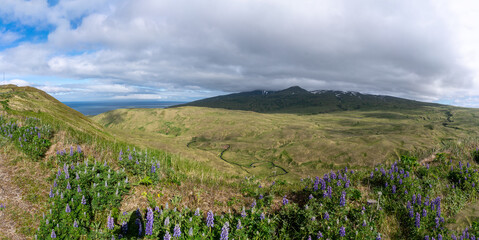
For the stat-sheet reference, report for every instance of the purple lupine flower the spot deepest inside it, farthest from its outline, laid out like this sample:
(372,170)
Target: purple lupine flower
(311,196)
(372,174)
(418,220)
(394,188)
(378,237)
(453,236)
(149,222)
(253,204)
(320,235)
(75,224)
(69,186)
(138,223)
(190,232)
(167,236)
(51,193)
(348,182)
(167,221)
(285,200)
(261,217)
(224,231)
(210,219)
(326,216)
(177,231)
(260,196)
(313,218)
(67,208)
(243,213)
(342,200)
(197,212)
(153,170)
(124,227)
(238,226)
(83,200)
(53,235)
(71,151)
(342,231)
(424,212)
(110,222)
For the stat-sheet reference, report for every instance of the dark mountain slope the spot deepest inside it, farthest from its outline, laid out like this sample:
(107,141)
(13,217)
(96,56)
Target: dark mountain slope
(298,100)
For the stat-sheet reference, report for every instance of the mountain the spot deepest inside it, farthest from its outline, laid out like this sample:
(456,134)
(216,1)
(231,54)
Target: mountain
(298,100)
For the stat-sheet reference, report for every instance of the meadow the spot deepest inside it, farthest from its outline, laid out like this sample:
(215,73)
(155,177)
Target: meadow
(62,179)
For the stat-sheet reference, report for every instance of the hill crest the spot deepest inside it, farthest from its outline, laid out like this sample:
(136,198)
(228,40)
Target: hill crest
(298,100)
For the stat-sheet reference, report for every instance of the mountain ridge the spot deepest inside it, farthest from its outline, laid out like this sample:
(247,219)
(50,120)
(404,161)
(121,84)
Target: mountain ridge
(298,100)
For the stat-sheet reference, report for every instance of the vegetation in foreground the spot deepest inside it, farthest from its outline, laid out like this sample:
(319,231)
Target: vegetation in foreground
(90,188)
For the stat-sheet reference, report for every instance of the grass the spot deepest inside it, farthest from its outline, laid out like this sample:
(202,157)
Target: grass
(301,144)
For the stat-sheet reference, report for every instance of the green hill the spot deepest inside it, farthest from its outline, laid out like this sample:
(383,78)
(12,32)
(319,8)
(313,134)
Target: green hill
(389,174)
(298,100)
(267,144)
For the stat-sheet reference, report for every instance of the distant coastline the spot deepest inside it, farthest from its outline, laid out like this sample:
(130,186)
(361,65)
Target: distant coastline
(97,107)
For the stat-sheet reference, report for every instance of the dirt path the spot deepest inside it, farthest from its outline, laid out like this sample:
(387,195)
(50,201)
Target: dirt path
(11,197)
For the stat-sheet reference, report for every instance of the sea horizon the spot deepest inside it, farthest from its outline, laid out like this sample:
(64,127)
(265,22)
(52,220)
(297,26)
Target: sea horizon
(98,107)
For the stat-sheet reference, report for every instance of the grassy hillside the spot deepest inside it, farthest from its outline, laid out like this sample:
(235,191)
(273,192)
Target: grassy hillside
(299,101)
(303,145)
(65,177)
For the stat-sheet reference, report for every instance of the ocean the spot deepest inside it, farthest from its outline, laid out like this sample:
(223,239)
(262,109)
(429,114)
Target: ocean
(97,107)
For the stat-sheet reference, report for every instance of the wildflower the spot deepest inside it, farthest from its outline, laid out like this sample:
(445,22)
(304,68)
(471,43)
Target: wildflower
(326,216)
(253,205)
(167,221)
(149,222)
(197,212)
(110,222)
(67,209)
(69,186)
(418,220)
(153,170)
(424,212)
(224,231)
(320,234)
(364,223)
(53,235)
(261,217)
(177,231)
(83,200)
(394,188)
(124,227)
(378,237)
(311,196)
(285,200)
(75,224)
(190,232)
(342,231)
(51,193)
(167,236)
(138,223)
(243,213)
(342,200)
(238,226)
(210,219)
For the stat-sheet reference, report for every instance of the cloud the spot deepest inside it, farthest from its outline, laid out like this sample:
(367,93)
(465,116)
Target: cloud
(18,82)
(406,48)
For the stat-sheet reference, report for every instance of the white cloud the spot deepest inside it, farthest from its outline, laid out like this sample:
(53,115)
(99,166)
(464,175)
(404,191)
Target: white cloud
(138,96)
(425,50)
(18,82)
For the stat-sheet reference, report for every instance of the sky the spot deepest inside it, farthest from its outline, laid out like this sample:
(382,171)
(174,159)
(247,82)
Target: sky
(181,50)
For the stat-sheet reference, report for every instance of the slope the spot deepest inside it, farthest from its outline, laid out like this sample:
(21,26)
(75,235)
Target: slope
(267,144)
(300,101)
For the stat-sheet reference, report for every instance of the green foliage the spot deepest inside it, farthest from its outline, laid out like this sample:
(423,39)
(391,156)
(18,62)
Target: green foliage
(80,194)
(31,137)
